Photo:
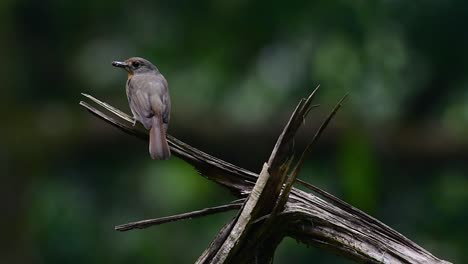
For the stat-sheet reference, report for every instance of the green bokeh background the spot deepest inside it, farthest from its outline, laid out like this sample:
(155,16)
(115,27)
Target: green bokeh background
(236,69)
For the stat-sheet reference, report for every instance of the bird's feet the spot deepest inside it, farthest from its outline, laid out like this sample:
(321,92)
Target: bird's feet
(134,122)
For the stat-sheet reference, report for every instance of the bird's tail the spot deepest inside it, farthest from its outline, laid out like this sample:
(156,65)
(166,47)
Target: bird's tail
(158,147)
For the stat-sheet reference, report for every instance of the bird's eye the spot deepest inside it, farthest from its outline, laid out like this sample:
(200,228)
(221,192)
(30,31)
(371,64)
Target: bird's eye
(136,64)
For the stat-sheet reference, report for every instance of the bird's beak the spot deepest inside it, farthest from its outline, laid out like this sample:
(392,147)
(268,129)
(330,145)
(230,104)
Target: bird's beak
(119,64)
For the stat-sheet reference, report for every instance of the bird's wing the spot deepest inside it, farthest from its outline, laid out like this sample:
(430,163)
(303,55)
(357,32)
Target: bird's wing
(139,101)
(166,101)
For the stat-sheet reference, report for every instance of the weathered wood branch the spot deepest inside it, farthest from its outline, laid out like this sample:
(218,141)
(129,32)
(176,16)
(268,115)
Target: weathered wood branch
(316,218)
(167,219)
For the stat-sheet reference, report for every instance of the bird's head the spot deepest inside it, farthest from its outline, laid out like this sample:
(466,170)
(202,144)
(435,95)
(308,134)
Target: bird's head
(136,65)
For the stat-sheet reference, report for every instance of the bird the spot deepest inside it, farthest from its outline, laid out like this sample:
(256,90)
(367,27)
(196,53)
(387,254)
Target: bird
(150,103)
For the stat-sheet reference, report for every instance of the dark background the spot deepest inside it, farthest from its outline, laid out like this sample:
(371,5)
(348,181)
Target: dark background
(236,69)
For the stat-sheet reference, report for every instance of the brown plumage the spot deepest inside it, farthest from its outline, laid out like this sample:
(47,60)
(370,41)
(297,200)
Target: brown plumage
(148,97)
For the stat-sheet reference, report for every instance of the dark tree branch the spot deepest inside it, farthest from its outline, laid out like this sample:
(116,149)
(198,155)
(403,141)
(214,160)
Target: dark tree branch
(159,221)
(327,222)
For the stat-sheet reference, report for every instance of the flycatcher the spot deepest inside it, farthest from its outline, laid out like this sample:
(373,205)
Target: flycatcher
(148,97)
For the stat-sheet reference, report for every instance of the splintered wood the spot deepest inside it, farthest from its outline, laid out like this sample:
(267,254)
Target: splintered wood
(270,208)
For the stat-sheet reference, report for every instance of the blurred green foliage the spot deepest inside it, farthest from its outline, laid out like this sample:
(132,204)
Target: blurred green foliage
(236,69)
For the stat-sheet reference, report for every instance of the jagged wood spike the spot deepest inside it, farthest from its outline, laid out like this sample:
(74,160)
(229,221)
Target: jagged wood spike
(284,148)
(296,170)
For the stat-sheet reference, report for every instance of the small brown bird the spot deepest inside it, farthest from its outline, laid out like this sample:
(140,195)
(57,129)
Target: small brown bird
(148,97)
